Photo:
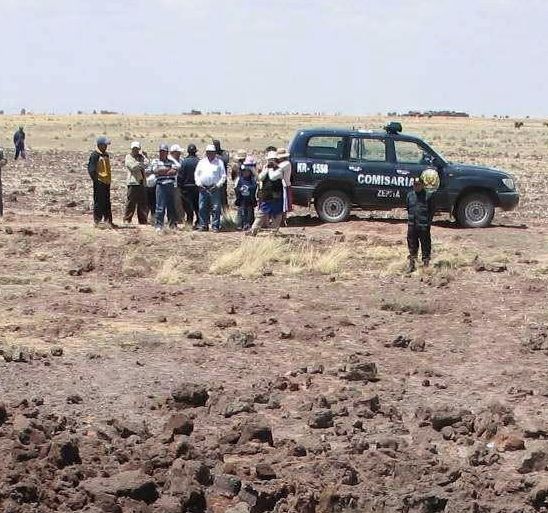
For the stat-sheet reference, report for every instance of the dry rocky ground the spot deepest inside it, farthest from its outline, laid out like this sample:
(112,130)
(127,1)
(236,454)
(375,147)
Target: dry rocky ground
(301,373)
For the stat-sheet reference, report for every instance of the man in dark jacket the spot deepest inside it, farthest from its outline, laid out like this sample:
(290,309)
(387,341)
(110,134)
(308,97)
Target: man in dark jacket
(187,185)
(19,143)
(225,157)
(420,211)
(101,175)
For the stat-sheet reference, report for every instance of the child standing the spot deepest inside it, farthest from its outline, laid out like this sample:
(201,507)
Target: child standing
(246,195)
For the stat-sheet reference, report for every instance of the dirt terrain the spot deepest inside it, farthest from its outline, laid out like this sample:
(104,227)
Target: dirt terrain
(299,373)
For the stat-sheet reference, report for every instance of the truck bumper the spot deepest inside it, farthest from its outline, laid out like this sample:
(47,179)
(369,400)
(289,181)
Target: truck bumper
(302,194)
(508,200)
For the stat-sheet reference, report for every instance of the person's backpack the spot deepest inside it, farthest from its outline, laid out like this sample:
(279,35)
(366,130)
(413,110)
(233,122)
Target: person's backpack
(271,189)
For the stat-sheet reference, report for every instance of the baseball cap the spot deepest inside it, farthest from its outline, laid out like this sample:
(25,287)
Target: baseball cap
(163,147)
(210,147)
(103,139)
(135,144)
(175,147)
(192,148)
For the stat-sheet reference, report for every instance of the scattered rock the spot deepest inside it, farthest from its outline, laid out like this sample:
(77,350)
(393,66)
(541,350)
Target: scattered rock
(64,452)
(264,472)
(239,406)
(227,485)
(56,351)
(418,345)
(257,431)
(244,339)
(74,399)
(445,417)
(190,395)
(539,494)
(509,442)
(286,334)
(533,461)
(131,483)
(361,371)
(195,335)
(321,419)
(179,424)
(225,323)
(3,413)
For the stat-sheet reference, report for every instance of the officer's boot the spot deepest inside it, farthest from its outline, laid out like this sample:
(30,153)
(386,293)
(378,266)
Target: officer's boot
(411,265)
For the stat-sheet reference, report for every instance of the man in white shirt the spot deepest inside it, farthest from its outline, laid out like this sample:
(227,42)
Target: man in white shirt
(210,176)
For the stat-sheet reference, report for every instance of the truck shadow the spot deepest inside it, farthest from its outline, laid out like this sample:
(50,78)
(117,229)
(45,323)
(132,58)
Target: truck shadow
(308,220)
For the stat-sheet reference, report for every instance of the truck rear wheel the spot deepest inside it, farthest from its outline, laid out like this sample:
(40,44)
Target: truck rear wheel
(333,206)
(475,210)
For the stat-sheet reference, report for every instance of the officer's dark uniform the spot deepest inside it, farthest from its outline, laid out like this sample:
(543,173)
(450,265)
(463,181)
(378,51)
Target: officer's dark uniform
(420,210)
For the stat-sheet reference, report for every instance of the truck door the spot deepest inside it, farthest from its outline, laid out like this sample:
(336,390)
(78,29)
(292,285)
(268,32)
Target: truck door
(369,160)
(412,159)
(325,158)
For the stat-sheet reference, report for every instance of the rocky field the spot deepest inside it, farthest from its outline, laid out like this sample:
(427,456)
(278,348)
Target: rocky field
(307,373)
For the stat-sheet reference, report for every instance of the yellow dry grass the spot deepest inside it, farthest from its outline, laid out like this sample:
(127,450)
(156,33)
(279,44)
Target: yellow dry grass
(172,271)
(254,256)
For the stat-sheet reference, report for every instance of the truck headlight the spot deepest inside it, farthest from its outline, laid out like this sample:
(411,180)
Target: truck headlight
(509,183)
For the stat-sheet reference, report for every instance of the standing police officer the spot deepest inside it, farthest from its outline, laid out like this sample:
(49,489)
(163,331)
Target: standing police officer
(420,211)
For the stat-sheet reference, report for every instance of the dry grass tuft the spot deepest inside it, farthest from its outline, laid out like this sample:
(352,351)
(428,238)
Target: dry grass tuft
(305,257)
(254,256)
(251,257)
(136,265)
(172,271)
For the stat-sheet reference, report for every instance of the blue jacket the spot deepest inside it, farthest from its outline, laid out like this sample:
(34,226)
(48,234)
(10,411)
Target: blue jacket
(246,191)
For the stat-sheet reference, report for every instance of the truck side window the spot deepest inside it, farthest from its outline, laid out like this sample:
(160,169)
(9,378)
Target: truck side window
(325,147)
(371,150)
(408,152)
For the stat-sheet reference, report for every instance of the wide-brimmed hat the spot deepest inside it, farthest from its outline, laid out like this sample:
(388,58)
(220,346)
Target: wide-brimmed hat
(249,161)
(241,155)
(211,147)
(282,153)
(175,148)
(271,155)
(135,144)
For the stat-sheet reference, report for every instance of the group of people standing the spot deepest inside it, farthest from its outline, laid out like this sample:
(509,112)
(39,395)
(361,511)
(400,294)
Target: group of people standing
(156,186)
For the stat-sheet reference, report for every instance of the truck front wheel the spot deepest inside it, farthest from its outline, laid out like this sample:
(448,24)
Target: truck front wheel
(333,206)
(475,210)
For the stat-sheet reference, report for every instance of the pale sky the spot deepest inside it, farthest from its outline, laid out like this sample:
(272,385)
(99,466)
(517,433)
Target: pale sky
(349,56)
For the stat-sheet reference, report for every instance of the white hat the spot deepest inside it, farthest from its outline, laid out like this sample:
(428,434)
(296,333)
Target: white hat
(176,147)
(135,144)
(271,155)
(211,147)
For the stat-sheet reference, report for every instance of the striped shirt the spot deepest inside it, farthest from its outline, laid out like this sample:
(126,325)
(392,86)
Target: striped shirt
(161,166)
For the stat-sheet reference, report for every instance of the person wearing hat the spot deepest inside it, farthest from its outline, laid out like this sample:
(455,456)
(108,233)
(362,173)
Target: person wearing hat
(246,194)
(285,166)
(175,152)
(3,162)
(136,163)
(225,157)
(165,172)
(420,211)
(237,165)
(19,143)
(270,195)
(187,185)
(100,173)
(210,178)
